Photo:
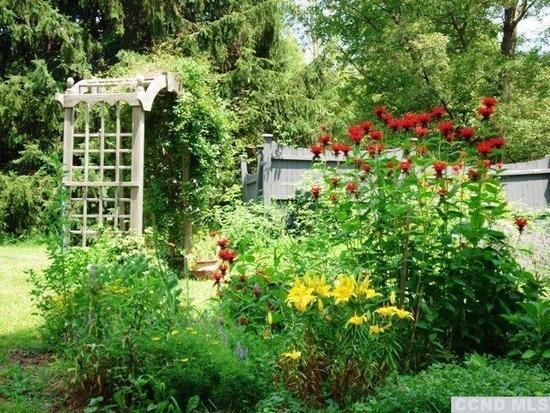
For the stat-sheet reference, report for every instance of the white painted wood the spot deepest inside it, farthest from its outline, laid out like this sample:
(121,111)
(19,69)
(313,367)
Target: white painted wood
(138,149)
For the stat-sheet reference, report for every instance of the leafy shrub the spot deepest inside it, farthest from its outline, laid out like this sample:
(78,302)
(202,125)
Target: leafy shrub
(431,390)
(423,229)
(532,340)
(115,311)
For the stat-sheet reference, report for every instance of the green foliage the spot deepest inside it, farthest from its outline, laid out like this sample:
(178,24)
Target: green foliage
(28,205)
(532,340)
(414,55)
(116,312)
(431,390)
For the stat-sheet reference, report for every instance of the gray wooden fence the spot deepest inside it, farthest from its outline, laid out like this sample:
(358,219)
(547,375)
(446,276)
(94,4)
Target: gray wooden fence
(280,168)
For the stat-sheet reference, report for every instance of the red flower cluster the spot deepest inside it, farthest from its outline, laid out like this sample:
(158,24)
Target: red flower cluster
(376,135)
(351,187)
(325,139)
(227,255)
(356,133)
(488,107)
(439,167)
(315,191)
(485,147)
(365,167)
(316,149)
(340,147)
(421,131)
(521,223)
(223,243)
(473,174)
(466,132)
(405,166)
(446,129)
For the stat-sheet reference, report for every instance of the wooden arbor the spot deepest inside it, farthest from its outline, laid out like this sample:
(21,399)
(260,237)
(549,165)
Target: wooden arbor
(103,151)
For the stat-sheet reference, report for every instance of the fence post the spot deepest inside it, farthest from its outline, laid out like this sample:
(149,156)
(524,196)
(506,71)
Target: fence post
(266,167)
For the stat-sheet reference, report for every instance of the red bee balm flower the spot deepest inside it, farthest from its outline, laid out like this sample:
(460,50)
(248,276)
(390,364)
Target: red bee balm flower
(405,166)
(325,139)
(489,101)
(376,135)
(365,167)
(450,137)
(315,191)
(497,142)
(356,133)
(366,125)
(521,223)
(393,124)
(437,112)
(466,133)
(486,163)
(217,277)
(316,150)
(227,255)
(457,168)
(484,148)
(223,243)
(486,111)
(445,127)
(351,187)
(380,110)
(336,149)
(345,149)
(439,167)
(421,131)
(335,180)
(473,174)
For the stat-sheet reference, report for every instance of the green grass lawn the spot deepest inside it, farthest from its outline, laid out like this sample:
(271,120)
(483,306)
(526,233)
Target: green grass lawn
(31,378)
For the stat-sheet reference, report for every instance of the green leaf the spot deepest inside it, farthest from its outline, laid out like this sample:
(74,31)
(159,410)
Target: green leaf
(528,354)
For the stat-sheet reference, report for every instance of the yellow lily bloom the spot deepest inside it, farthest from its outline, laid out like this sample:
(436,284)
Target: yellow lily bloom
(293,355)
(356,320)
(318,283)
(392,310)
(344,289)
(300,296)
(403,313)
(386,311)
(376,329)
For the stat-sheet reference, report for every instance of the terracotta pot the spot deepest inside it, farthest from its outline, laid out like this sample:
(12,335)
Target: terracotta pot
(204,269)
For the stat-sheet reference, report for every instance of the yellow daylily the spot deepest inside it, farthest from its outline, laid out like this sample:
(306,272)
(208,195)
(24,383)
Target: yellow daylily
(400,313)
(318,283)
(293,355)
(356,320)
(344,289)
(300,296)
(376,329)
(363,286)
(392,310)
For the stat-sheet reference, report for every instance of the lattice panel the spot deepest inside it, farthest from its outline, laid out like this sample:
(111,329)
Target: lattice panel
(99,179)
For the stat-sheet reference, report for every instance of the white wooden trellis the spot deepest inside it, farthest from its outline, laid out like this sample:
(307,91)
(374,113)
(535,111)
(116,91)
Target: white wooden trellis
(103,163)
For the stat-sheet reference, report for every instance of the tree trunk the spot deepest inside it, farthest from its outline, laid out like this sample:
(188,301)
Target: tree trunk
(509,31)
